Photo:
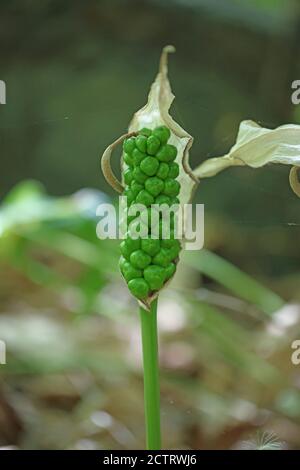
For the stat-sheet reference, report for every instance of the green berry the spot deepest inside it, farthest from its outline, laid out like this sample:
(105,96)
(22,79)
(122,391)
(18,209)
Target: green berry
(173,170)
(125,252)
(144,197)
(138,157)
(139,175)
(150,166)
(139,288)
(170,243)
(162,133)
(128,176)
(170,270)
(132,243)
(128,159)
(163,170)
(129,145)
(174,201)
(162,199)
(139,259)
(153,144)
(150,246)
(162,258)
(172,187)
(167,153)
(154,276)
(136,188)
(145,131)
(128,271)
(130,196)
(141,143)
(122,263)
(154,185)
(174,251)
(151,178)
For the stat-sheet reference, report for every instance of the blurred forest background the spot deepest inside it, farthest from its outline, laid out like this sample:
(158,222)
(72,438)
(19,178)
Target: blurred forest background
(75,72)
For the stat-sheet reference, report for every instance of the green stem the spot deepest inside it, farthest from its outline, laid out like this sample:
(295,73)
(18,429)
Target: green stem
(151,376)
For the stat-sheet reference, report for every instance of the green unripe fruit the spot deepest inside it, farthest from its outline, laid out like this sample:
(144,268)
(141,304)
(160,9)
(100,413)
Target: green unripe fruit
(144,197)
(174,200)
(128,271)
(139,175)
(128,176)
(172,187)
(150,166)
(130,196)
(174,252)
(129,145)
(154,276)
(167,153)
(139,288)
(162,199)
(150,178)
(122,263)
(162,133)
(173,170)
(141,143)
(170,270)
(124,250)
(128,160)
(139,259)
(138,157)
(163,170)
(150,246)
(154,185)
(132,244)
(162,258)
(153,144)
(145,131)
(170,242)
(136,188)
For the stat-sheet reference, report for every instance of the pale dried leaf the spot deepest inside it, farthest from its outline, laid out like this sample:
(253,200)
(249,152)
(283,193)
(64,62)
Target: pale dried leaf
(257,146)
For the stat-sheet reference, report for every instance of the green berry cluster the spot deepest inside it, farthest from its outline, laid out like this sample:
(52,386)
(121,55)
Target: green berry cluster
(146,264)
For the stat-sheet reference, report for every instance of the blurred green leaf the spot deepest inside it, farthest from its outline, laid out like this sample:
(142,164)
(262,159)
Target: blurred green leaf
(234,279)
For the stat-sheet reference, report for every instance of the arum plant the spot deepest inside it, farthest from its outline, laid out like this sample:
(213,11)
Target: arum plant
(156,173)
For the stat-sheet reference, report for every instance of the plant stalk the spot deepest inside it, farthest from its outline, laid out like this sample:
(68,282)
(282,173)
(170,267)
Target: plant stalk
(151,376)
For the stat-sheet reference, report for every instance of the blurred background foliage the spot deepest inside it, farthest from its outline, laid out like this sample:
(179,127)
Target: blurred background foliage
(75,73)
